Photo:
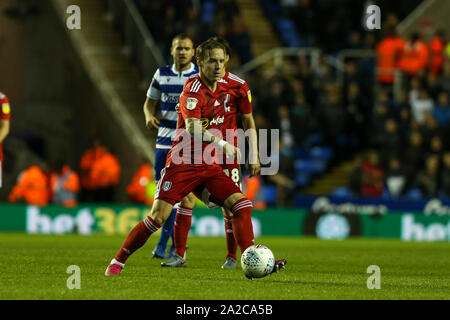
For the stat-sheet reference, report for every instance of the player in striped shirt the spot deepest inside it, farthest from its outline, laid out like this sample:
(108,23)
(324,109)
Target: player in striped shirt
(166,86)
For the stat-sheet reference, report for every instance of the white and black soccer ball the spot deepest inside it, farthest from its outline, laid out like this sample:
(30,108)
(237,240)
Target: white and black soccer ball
(257,261)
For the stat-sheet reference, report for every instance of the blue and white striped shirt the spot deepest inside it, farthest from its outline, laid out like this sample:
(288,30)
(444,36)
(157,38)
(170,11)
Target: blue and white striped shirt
(167,86)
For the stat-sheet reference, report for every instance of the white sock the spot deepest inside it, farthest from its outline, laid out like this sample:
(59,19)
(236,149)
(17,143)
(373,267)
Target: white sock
(114,261)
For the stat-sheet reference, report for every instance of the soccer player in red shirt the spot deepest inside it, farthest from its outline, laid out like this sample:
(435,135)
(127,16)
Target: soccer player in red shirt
(5,115)
(189,165)
(237,100)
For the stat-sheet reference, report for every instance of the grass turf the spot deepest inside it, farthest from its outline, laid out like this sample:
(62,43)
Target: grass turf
(34,267)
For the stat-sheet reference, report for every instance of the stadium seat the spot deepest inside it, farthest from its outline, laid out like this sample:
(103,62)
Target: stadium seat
(302,179)
(310,166)
(269,194)
(341,192)
(414,194)
(301,153)
(321,153)
(208,9)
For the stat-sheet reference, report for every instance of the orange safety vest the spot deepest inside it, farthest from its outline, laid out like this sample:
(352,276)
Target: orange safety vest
(437,48)
(388,51)
(65,187)
(137,189)
(87,161)
(414,57)
(32,187)
(252,190)
(105,171)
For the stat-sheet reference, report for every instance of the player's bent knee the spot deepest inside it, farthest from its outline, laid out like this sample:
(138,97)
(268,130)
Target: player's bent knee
(231,200)
(227,212)
(160,211)
(188,201)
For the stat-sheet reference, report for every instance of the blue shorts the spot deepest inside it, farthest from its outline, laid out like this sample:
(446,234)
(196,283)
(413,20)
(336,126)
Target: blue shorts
(160,161)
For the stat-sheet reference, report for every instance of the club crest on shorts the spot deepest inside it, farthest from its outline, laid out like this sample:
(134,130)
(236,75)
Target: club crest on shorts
(191,103)
(167,185)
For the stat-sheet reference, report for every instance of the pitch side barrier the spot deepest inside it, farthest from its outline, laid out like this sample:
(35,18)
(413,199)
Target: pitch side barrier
(324,220)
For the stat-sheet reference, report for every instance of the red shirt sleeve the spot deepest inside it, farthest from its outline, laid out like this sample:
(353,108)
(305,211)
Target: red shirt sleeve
(5,109)
(244,100)
(190,105)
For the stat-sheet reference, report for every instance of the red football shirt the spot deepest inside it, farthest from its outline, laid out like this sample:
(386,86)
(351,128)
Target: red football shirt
(197,101)
(5,114)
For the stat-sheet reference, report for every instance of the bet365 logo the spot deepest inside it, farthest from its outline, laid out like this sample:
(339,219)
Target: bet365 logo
(372,18)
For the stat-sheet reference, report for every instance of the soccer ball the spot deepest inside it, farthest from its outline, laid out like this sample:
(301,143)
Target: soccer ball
(257,261)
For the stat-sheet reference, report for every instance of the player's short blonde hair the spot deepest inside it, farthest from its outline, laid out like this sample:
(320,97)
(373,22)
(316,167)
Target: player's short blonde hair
(203,50)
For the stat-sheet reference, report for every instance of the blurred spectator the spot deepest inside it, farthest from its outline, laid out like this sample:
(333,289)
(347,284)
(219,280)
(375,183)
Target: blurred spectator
(239,39)
(445,175)
(412,155)
(437,48)
(303,121)
(252,190)
(355,178)
(32,186)
(436,146)
(432,86)
(65,185)
(427,179)
(389,141)
(441,110)
(137,189)
(389,51)
(305,18)
(372,177)
(86,163)
(396,179)
(332,116)
(105,175)
(414,55)
(444,79)
(421,105)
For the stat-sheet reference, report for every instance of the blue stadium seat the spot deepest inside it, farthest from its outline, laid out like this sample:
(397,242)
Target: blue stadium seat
(208,9)
(321,153)
(414,194)
(304,165)
(301,153)
(310,166)
(341,192)
(302,179)
(269,193)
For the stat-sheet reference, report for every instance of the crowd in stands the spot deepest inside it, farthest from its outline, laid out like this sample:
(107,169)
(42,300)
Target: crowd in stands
(411,155)
(199,20)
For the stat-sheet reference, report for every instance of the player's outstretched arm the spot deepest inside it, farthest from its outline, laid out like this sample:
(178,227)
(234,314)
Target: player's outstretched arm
(151,121)
(195,129)
(248,122)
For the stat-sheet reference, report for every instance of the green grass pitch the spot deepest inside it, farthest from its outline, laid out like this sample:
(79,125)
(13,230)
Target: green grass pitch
(34,267)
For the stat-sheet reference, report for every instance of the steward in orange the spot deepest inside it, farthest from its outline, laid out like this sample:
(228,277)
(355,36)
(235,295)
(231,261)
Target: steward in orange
(252,190)
(87,161)
(437,52)
(414,56)
(137,189)
(65,186)
(388,51)
(31,187)
(105,175)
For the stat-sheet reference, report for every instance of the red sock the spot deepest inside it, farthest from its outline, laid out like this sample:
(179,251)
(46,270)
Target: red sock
(137,237)
(231,241)
(242,223)
(181,229)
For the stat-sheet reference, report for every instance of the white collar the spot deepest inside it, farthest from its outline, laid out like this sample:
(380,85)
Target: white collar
(191,69)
